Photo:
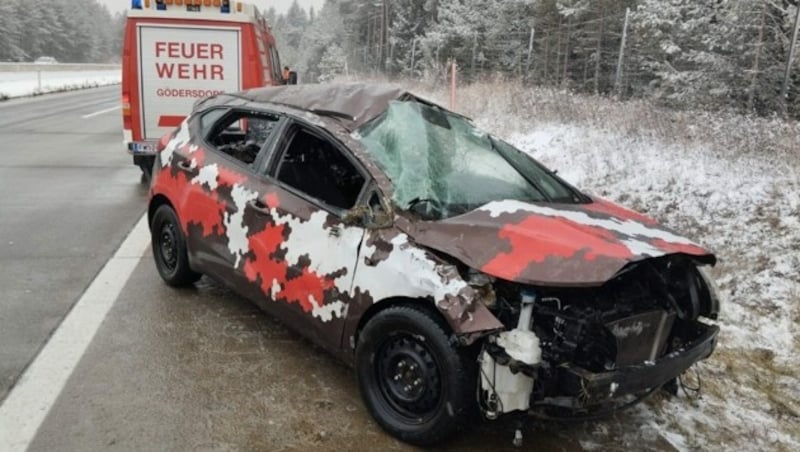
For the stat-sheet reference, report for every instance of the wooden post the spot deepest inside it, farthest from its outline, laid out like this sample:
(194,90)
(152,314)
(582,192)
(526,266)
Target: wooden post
(618,78)
(788,74)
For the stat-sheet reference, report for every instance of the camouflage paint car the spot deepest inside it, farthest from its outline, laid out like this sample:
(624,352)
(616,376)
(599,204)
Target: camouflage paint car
(450,269)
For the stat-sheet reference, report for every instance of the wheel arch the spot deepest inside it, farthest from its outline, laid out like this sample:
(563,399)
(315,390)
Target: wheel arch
(157,201)
(353,330)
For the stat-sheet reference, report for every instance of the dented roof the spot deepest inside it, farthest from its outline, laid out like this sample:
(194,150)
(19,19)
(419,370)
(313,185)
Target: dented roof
(353,104)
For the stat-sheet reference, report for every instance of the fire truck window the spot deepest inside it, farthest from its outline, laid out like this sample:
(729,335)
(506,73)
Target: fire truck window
(242,135)
(317,168)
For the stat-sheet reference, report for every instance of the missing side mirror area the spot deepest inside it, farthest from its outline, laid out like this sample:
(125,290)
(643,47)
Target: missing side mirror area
(377,214)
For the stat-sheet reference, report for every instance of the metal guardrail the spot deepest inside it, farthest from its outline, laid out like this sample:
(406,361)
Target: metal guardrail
(55,67)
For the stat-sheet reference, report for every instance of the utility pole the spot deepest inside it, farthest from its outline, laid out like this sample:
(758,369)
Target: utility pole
(787,75)
(618,79)
(530,53)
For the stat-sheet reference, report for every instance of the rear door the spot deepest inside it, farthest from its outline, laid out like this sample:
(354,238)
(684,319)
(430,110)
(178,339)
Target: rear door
(222,183)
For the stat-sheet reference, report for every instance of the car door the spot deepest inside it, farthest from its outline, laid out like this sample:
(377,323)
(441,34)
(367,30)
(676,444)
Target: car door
(302,254)
(222,171)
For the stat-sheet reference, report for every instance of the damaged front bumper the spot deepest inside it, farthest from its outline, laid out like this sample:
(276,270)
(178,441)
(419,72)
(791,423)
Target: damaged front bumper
(509,385)
(585,388)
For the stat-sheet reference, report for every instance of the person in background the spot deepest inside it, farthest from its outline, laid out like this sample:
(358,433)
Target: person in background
(286,74)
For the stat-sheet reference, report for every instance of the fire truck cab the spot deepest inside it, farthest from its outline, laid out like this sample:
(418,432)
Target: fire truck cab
(179,51)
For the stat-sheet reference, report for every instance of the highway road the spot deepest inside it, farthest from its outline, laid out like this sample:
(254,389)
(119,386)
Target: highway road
(97,353)
(68,196)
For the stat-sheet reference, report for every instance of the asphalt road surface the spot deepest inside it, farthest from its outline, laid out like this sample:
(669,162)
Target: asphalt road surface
(68,196)
(97,353)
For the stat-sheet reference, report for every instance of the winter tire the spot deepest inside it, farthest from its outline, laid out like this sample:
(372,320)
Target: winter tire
(169,248)
(416,384)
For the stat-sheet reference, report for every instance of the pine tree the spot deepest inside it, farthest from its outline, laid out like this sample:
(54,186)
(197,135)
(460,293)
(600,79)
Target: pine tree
(10,33)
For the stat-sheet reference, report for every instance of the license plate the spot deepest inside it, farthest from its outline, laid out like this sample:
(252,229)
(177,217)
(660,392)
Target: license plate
(144,148)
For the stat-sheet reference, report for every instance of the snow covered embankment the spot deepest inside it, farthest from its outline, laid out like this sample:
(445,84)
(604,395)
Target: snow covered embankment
(20,84)
(731,183)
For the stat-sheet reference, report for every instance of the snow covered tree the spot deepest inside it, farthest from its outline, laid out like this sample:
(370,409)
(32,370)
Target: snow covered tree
(481,34)
(10,32)
(332,64)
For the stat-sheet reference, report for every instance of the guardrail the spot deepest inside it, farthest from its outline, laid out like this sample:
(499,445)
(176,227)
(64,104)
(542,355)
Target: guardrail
(55,67)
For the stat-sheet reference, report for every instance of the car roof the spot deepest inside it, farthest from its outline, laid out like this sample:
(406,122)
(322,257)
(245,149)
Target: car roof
(351,104)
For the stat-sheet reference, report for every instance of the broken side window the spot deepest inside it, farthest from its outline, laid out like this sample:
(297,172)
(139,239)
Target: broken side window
(242,134)
(314,166)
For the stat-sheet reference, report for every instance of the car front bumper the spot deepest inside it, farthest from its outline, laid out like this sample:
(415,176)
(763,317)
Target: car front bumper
(598,387)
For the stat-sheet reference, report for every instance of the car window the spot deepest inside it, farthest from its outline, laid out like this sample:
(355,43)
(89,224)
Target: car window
(316,167)
(209,118)
(242,134)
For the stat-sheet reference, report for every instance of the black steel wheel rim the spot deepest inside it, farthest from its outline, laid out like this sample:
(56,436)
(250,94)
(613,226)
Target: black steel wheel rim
(408,377)
(168,246)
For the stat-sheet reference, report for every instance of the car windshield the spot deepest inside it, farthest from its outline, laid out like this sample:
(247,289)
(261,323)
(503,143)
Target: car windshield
(441,165)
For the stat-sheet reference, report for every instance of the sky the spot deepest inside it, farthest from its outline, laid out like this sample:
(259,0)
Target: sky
(281,6)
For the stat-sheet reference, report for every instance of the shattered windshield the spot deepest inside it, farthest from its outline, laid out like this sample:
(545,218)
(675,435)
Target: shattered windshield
(442,166)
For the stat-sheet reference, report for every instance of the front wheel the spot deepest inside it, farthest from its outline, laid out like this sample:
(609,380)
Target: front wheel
(416,384)
(169,248)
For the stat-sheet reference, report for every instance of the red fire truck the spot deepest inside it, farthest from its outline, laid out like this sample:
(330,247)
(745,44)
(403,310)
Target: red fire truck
(179,51)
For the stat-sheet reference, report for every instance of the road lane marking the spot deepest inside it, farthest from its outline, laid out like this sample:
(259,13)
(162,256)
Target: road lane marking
(91,115)
(36,391)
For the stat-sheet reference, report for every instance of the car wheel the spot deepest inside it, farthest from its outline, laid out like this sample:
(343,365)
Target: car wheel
(169,248)
(418,386)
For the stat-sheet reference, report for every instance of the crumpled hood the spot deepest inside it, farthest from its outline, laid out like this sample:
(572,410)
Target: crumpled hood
(553,244)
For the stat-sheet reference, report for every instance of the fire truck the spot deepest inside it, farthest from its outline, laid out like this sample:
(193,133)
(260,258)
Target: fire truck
(179,51)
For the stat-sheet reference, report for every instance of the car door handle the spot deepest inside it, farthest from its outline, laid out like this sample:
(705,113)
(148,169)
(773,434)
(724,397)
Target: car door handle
(185,165)
(259,207)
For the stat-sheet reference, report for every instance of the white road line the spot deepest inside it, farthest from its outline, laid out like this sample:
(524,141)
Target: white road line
(30,400)
(91,115)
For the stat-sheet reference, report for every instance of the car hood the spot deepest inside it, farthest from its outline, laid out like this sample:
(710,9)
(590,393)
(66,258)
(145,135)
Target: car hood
(553,244)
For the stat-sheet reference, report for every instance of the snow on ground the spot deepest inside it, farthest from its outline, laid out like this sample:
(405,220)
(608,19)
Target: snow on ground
(727,181)
(19,84)
(746,210)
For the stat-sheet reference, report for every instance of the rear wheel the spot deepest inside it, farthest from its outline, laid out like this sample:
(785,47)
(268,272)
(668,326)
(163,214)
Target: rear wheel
(418,386)
(169,248)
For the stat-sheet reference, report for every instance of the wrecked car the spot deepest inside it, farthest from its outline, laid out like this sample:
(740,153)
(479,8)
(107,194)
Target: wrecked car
(450,269)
